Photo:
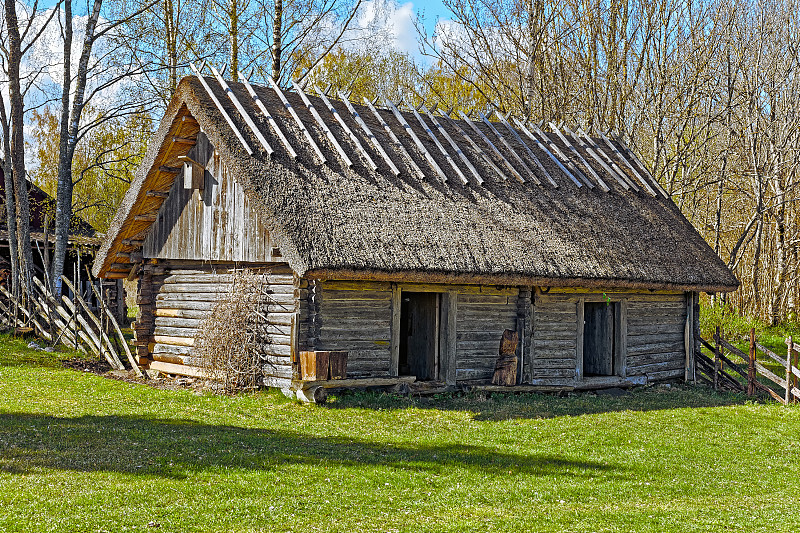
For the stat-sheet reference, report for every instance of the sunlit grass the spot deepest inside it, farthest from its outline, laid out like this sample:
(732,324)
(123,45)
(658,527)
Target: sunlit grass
(79,452)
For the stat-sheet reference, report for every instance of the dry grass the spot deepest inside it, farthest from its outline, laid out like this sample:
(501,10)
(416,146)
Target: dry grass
(230,339)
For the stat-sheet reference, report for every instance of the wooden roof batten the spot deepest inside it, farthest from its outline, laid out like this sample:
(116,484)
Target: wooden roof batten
(476,147)
(586,164)
(220,107)
(628,163)
(638,161)
(322,124)
(268,116)
(527,149)
(596,157)
(438,144)
(394,139)
(626,181)
(243,112)
(404,123)
(544,148)
(297,120)
(508,147)
(374,140)
(454,146)
(488,141)
(346,128)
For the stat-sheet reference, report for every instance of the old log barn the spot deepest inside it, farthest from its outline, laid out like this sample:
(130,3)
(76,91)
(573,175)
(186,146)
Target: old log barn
(410,239)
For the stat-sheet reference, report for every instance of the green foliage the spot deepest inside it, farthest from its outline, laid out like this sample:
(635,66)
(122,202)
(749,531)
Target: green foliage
(734,325)
(82,453)
(103,166)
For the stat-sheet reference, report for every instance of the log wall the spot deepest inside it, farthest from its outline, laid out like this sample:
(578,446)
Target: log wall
(175,298)
(656,331)
(352,316)
(651,334)
(480,322)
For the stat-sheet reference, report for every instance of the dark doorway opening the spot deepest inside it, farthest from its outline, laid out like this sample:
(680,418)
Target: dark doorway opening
(419,335)
(599,338)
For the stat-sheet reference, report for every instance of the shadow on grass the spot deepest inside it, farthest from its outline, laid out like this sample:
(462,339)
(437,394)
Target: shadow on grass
(171,448)
(501,406)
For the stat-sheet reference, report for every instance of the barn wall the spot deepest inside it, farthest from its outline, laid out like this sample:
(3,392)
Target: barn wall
(555,333)
(352,316)
(656,330)
(652,331)
(216,223)
(480,321)
(182,294)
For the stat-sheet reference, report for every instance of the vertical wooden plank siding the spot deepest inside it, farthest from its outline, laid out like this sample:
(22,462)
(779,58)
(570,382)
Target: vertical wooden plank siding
(217,223)
(449,331)
(480,324)
(580,324)
(656,336)
(394,359)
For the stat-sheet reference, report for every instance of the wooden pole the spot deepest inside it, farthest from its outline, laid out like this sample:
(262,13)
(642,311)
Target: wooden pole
(717,351)
(751,365)
(789,350)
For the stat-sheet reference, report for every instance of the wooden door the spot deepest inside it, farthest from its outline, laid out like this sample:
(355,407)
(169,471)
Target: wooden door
(419,329)
(598,339)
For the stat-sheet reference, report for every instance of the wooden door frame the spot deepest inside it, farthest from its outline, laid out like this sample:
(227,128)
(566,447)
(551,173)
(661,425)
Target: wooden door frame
(445,363)
(620,333)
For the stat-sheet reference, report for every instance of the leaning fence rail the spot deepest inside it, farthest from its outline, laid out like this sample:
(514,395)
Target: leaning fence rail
(721,369)
(72,322)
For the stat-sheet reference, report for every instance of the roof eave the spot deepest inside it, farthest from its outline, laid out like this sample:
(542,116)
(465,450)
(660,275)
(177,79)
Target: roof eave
(512,279)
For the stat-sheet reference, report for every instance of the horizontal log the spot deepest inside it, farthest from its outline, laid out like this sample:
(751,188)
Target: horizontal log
(276,359)
(467,299)
(181,370)
(178,341)
(555,353)
(537,362)
(182,313)
(176,332)
(666,374)
(655,367)
(656,329)
(205,277)
(638,340)
(194,323)
(277,383)
(278,371)
(176,359)
(552,372)
(329,295)
(655,347)
(650,358)
(550,345)
(463,374)
(171,349)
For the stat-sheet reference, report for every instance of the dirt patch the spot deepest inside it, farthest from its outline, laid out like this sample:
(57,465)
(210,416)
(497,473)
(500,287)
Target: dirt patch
(95,366)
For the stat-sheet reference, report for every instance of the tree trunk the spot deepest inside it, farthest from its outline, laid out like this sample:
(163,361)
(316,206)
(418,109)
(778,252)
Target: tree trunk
(277,45)
(234,38)
(67,146)
(11,210)
(16,100)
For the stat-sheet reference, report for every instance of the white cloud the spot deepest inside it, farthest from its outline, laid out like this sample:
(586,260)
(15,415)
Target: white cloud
(390,23)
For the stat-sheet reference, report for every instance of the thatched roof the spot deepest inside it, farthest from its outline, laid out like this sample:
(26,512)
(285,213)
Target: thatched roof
(333,221)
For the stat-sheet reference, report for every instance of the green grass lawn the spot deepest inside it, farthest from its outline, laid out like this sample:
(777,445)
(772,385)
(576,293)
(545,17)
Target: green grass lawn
(79,452)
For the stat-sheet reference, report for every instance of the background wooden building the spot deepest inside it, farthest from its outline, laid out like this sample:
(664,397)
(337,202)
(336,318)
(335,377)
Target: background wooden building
(409,239)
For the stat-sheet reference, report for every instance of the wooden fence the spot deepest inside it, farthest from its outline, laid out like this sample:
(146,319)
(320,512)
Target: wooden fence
(718,368)
(70,321)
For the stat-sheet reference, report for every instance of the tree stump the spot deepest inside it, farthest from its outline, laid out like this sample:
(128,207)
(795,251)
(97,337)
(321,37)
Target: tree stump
(505,369)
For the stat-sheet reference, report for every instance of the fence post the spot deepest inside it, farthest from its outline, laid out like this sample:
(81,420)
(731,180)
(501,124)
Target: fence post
(717,351)
(751,365)
(789,350)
